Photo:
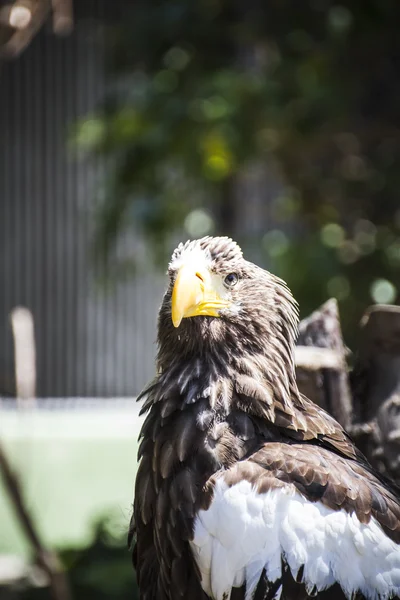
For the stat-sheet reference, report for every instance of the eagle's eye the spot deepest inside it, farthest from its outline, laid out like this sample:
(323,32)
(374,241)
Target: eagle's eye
(231,279)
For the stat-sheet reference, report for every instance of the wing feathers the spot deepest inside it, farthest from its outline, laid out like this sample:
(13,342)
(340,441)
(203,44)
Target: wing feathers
(195,430)
(325,537)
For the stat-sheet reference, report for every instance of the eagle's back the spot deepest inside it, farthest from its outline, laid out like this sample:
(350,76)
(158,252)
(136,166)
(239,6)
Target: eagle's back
(214,474)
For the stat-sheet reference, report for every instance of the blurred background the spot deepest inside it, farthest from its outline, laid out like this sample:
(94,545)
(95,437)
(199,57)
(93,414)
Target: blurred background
(126,127)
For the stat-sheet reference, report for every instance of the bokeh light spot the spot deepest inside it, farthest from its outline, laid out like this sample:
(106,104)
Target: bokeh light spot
(218,166)
(166,81)
(365,240)
(393,252)
(339,19)
(275,242)
(383,291)
(176,58)
(348,252)
(215,108)
(268,139)
(198,223)
(332,235)
(90,133)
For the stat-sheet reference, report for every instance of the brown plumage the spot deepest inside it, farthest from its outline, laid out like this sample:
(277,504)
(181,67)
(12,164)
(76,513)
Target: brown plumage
(225,406)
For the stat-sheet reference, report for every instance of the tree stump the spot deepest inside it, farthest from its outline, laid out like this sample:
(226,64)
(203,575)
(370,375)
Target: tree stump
(376,388)
(366,402)
(321,366)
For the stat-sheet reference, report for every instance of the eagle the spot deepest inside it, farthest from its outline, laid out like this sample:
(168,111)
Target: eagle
(247,490)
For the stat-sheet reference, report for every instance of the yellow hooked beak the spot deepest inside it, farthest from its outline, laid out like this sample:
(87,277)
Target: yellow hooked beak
(194,294)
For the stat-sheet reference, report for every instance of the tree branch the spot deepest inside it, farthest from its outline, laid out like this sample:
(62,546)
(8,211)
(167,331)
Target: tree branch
(47,559)
(26,17)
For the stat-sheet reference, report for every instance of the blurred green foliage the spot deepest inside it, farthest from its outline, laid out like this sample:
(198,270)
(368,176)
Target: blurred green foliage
(100,571)
(202,90)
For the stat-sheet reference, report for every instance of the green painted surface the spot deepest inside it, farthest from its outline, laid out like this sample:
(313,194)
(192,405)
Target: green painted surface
(76,467)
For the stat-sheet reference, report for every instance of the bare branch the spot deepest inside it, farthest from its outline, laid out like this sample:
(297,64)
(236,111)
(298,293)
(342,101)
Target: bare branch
(62,16)
(26,17)
(47,559)
(22,37)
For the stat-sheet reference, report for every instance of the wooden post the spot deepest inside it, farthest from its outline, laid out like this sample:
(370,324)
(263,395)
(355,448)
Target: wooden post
(24,352)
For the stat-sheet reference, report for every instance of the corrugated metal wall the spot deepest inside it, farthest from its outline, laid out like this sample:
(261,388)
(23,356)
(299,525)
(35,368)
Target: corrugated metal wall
(88,342)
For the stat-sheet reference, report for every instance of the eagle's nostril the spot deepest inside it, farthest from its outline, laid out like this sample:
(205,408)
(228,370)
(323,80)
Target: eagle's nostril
(200,276)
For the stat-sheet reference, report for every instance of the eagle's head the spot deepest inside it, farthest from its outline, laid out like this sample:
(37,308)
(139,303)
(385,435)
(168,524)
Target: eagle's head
(219,302)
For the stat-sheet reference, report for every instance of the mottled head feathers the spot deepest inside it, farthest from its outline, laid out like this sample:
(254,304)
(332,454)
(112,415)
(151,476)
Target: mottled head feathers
(263,310)
(220,251)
